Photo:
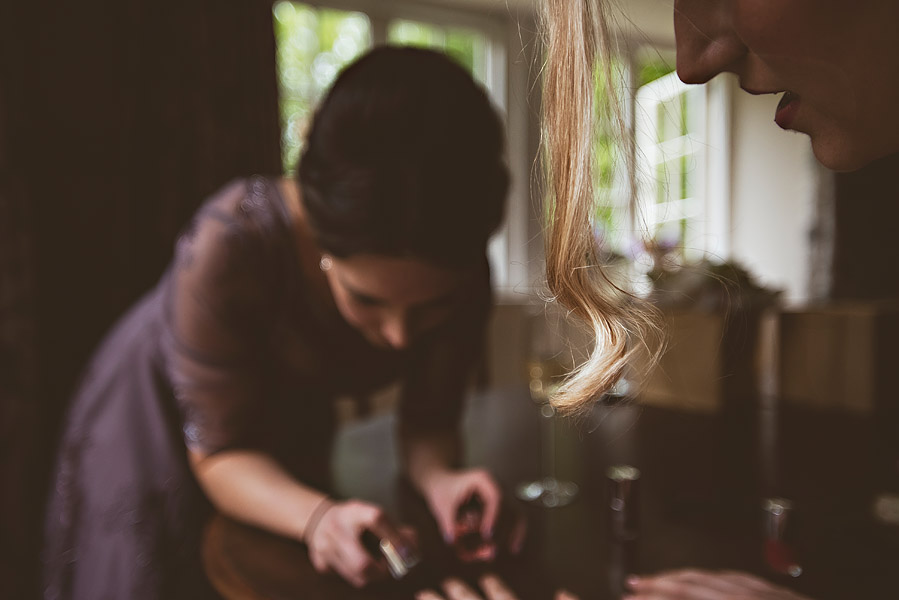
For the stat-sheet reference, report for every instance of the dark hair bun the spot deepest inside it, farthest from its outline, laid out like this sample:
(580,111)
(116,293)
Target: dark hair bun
(405,157)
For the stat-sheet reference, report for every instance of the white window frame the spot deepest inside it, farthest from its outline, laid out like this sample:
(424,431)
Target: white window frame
(708,210)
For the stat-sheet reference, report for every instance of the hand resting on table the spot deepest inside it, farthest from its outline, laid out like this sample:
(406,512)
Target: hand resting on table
(492,588)
(690,584)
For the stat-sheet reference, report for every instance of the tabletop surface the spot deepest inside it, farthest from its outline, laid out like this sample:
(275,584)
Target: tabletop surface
(703,481)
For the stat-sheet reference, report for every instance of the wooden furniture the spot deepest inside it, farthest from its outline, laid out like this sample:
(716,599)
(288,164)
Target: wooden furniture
(841,356)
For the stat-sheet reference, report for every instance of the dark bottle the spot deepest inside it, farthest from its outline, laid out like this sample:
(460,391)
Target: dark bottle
(779,552)
(624,527)
(470,545)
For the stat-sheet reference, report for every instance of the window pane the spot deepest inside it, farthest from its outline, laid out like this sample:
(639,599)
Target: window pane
(412,33)
(312,46)
(467,47)
(651,69)
(670,122)
(670,119)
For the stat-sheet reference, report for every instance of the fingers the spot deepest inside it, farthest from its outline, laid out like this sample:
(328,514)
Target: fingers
(375,520)
(372,518)
(565,595)
(358,576)
(337,545)
(319,563)
(448,493)
(408,535)
(490,584)
(704,585)
(356,565)
(701,582)
(672,586)
(495,588)
(491,496)
(518,534)
(456,589)
(446,521)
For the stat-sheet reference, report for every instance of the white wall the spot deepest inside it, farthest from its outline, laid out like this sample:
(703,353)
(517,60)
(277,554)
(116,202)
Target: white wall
(773,183)
(646,20)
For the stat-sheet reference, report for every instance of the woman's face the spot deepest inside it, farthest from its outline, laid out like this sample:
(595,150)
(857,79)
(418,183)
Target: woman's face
(837,61)
(392,301)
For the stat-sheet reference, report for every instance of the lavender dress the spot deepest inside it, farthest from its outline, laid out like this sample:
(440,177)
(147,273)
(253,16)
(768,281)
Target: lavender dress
(228,351)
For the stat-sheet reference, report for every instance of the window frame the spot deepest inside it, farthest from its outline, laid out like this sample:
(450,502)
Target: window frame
(712,223)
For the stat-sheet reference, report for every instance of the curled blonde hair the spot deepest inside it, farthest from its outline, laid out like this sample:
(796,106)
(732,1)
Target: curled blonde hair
(577,41)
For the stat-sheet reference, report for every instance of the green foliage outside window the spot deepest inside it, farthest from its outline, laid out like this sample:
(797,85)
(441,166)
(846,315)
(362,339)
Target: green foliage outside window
(465,46)
(611,213)
(652,69)
(312,46)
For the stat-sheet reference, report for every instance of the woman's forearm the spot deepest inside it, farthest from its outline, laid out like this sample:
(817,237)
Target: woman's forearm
(429,455)
(252,487)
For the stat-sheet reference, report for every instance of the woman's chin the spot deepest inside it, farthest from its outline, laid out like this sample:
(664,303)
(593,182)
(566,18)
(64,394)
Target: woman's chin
(376,340)
(839,155)
(847,153)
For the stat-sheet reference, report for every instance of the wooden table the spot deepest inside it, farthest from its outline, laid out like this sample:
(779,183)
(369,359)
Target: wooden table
(703,480)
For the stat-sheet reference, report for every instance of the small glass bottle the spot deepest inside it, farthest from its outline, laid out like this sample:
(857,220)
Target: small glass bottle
(470,545)
(780,556)
(624,526)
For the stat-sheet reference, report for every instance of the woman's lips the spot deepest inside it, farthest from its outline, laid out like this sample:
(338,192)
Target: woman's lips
(787,109)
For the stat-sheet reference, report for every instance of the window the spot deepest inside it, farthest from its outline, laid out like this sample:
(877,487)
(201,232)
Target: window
(680,166)
(670,140)
(315,39)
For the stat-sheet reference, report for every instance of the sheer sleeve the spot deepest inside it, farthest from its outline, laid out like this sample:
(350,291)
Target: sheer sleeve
(217,319)
(440,373)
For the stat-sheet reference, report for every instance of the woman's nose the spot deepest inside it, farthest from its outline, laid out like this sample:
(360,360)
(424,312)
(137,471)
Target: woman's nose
(395,329)
(707,43)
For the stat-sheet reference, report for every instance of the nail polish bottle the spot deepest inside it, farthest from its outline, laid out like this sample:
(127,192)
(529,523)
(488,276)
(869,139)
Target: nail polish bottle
(623,522)
(400,560)
(470,545)
(780,556)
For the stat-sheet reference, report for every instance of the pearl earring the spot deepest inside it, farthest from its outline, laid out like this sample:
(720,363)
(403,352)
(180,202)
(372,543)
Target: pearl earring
(325,263)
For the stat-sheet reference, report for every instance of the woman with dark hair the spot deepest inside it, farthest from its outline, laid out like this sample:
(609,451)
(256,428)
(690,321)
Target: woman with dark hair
(217,387)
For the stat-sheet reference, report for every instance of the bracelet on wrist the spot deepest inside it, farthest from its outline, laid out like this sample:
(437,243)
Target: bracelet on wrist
(315,517)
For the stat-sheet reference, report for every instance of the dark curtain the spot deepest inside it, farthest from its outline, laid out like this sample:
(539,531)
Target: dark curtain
(116,120)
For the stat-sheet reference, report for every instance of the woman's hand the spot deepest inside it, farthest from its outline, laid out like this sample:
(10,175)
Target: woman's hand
(706,585)
(493,588)
(447,492)
(335,542)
